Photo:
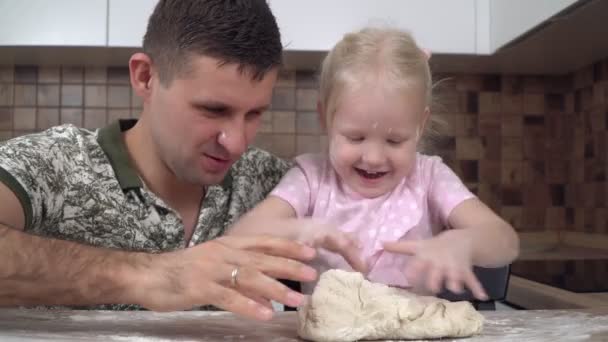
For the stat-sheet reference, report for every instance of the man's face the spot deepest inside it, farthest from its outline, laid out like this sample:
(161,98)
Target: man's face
(203,121)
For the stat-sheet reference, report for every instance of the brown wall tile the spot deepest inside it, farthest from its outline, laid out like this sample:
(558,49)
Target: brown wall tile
(511,125)
(512,173)
(534,104)
(49,74)
(513,215)
(307,123)
(464,125)
(266,122)
(119,96)
(308,144)
(26,74)
(7,74)
(490,103)
(25,95)
(555,218)
(48,95)
(118,75)
(95,75)
(534,84)
(71,95)
(72,75)
(95,118)
(512,148)
(24,118)
(6,118)
(284,98)
(284,145)
(6,94)
(116,114)
(306,79)
(469,148)
(6,135)
(306,99)
(284,122)
(287,78)
(47,118)
(95,96)
(136,101)
(71,116)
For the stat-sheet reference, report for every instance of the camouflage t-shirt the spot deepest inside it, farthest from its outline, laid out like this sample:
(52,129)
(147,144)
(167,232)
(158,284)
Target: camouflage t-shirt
(80,185)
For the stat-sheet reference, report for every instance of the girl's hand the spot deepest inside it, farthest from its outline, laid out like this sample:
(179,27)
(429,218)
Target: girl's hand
(444,259)
(336,241)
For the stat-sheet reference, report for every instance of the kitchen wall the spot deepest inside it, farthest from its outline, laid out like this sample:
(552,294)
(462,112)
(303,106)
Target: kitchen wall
(532,147)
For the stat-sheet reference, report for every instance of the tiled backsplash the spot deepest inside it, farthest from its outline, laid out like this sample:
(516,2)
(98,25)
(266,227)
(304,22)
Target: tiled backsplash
(34,98)
(532,147)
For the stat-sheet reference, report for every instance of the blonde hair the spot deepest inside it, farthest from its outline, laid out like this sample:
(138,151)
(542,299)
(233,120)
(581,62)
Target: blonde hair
(374,51)
(377,52)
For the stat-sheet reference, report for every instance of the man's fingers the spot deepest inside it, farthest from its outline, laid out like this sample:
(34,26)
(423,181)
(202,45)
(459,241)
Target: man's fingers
(258,285)
(256,297)
(276,267)
(270,246)
(231,300)
(402,247)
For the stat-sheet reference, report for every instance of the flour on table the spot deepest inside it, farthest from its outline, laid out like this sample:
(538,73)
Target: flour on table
(346,307)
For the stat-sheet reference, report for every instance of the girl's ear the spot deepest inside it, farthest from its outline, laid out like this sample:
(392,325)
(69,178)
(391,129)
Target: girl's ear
(322,116)
(425,120)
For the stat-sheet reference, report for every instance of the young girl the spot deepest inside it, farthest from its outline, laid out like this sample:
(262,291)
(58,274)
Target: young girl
(413,220)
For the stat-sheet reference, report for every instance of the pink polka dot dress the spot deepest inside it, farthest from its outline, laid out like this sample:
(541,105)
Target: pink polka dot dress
(417,208)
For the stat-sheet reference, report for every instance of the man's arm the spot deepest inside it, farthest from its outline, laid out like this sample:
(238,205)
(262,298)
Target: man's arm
(42,271)
(36,270)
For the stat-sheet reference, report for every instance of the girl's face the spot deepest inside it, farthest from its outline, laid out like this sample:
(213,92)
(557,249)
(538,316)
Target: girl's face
(373,136)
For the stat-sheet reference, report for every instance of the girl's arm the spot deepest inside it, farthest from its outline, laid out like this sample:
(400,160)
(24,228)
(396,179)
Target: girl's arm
(272,208)
(494,242)
(307,231)
(479,237)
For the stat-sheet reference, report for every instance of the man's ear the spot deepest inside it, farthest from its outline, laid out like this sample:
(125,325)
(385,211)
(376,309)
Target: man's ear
(140,71)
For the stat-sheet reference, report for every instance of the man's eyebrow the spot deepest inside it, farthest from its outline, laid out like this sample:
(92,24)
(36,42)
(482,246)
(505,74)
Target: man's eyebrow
(219,105)
(210,104)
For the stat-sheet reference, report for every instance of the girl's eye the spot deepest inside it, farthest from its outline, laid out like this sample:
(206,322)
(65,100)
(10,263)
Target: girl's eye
(394,142)
(355,138)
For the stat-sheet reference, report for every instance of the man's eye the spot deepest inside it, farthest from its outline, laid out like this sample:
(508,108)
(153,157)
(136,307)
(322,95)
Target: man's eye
(212,111)
(254,115)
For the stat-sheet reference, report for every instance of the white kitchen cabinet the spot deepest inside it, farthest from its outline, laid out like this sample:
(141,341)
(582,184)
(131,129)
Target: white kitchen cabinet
(315,25)
(53,22)
(439,25)
(509,19)
(127,21)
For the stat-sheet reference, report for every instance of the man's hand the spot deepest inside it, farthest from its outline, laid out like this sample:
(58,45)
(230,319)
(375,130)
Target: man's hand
(446,258)
(201,275)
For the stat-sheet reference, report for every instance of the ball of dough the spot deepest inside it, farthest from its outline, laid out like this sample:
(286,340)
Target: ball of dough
(346,307)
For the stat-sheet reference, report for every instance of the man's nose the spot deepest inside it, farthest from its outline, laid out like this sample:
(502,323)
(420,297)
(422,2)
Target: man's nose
(233,137)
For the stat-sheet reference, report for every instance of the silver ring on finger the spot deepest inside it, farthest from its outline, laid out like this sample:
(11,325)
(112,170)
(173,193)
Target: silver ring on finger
(234,277)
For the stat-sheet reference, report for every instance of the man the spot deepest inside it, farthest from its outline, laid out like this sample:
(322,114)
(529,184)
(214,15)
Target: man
(103,217)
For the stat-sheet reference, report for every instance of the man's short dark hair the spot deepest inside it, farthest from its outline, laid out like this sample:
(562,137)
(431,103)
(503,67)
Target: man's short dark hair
(242,32)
